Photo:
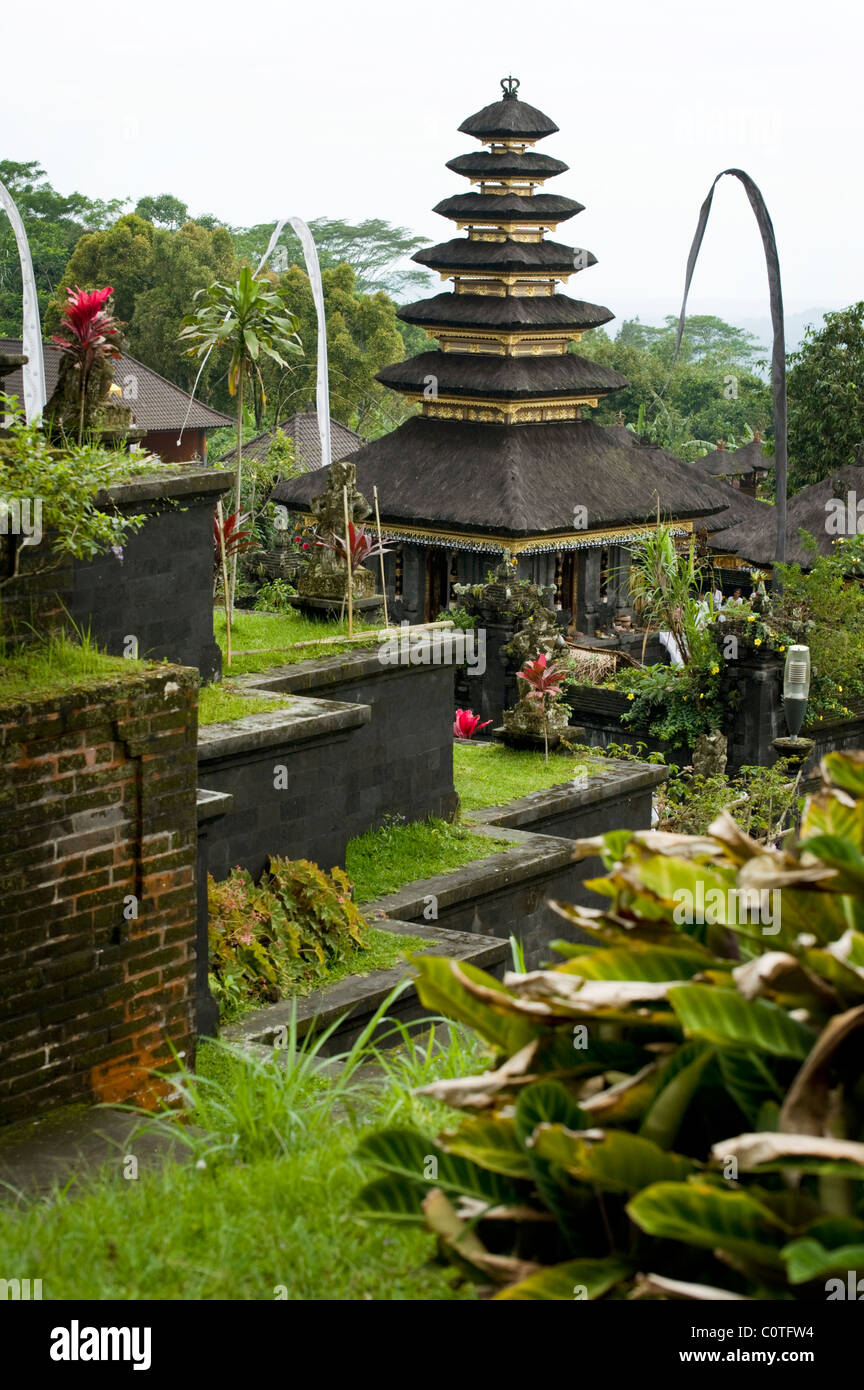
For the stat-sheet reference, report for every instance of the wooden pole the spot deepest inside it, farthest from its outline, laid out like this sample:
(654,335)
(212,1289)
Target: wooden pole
(348,563)
(381,556)
(220,516)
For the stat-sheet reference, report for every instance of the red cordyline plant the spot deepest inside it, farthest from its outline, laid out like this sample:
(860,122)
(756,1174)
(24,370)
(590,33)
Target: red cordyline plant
(230,537)
(466,723)
(93,334)
(361,546)
(544,680)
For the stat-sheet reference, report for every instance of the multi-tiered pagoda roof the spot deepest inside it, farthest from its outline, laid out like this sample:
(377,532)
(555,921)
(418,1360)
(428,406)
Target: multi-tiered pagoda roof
(503,448)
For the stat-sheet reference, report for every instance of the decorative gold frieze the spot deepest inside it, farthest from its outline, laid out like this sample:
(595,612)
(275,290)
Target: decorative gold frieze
(503,286)
(492,410)
(519,344)
(526,229)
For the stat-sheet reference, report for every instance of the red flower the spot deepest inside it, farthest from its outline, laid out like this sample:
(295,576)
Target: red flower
(89,325)
(466,723)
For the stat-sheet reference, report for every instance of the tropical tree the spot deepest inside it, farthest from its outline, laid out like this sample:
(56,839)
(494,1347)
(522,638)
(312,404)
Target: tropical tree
(54,223)
(826,398)
(250,319)
(663,584)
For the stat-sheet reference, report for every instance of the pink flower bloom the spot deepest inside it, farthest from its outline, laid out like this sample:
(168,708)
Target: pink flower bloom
(466,723)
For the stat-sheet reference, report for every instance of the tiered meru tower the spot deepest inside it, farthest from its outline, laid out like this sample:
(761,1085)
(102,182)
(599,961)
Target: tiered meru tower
(502,454)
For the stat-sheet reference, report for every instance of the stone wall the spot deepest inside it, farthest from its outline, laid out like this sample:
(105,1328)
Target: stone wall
(97,875)
(159,596)
(401,757)
(509,892)
(289,775)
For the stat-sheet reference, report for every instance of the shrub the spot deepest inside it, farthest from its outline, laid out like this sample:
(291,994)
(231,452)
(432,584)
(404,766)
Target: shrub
(275,596)
(295,922)
(661,1113)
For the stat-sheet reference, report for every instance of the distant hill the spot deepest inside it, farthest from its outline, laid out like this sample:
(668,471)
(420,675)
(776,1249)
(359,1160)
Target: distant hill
(796,323)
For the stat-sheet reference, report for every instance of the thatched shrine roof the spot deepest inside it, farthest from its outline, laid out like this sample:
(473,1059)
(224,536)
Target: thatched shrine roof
(508,207)
(518,480)
(507,165)
(508,119)
(810,510)
(507,314)
(511,378)
(504,256)
(735,463)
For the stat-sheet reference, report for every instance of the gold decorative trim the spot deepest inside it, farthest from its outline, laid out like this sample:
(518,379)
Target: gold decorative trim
(506,277)
(559,540)
(493,410)
(521,344)
(540,225)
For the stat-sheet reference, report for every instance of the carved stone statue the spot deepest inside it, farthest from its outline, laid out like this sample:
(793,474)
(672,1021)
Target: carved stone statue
(325,575)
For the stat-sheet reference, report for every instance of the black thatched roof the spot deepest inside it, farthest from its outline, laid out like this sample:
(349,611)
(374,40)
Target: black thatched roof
(507,166)
(518,480)
(462,254)
(508,207)
(508,119)
(741,507)
(510,378)
(736,463)
(754,540)
(554,311)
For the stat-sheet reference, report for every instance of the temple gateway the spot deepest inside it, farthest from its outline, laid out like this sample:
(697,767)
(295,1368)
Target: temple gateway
(503,456)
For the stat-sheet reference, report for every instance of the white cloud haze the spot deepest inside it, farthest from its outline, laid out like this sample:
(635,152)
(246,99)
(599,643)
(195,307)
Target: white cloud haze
(350,110)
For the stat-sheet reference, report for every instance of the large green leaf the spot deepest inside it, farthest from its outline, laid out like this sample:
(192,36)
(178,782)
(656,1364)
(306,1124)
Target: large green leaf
(806,1259)
(411,1155)
(723,1017)
(677,1082)
(391,1198)
(704,1215)
(653,964)
(749,1081)
(547,1102)
(577,1279)
(439,990)
(617,1161)
(492,1143)
(845,770)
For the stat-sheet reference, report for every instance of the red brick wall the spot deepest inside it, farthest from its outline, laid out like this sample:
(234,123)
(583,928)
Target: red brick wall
(97,807)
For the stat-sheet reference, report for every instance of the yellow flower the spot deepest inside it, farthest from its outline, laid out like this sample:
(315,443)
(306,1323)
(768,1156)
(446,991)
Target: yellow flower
(781,649)
(757,642)
(839,687)
(714,670)
(701,697)
(631,696)
(752,618)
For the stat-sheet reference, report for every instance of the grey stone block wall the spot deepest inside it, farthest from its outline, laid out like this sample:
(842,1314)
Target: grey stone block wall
(298,813)
(401,761)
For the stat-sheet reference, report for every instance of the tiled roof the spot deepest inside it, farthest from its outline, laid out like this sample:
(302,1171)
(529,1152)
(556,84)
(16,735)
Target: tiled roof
(303,429)
(156,403)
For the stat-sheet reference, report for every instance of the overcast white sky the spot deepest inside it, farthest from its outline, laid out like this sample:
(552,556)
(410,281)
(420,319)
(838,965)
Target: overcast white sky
(257,110)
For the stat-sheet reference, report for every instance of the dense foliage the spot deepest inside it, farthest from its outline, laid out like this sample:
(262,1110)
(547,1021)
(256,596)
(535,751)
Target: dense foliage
(65,484)
(713,391)
(296,919)
(677,1109)
(826,398)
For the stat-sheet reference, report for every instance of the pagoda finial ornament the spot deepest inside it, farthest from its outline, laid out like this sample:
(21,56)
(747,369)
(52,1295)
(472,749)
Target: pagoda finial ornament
(509,86)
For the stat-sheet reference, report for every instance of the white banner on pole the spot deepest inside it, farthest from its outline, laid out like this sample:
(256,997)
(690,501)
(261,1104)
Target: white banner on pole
(35,394)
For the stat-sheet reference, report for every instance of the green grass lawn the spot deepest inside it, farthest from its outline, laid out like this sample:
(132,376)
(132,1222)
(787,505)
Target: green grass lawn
(488,774)
(383,860)
(218,703)
(262,1209)
(262,640)
(57,665)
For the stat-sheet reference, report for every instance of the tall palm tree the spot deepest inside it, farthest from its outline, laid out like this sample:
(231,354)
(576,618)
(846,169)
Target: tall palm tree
(251,319)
